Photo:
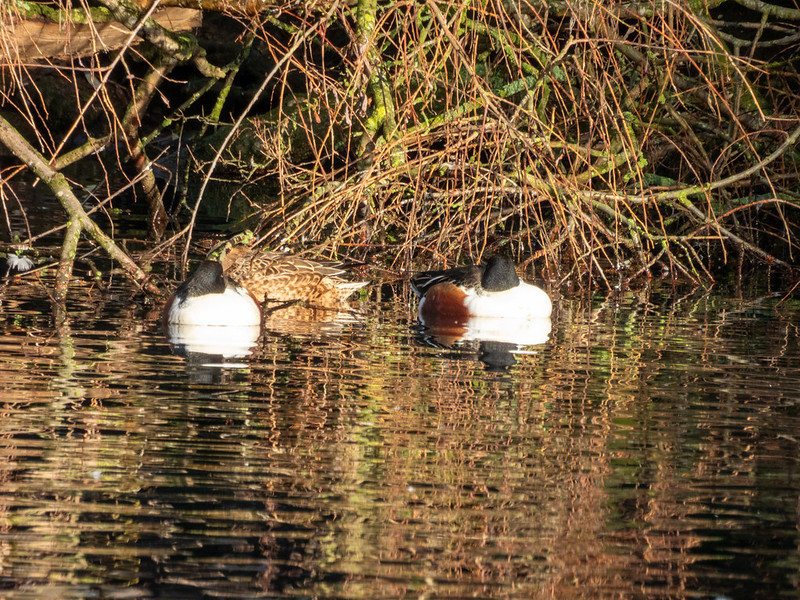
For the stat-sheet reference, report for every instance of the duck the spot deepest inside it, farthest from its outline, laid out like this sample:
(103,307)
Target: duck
(271,276)
(492,290)
(208,298)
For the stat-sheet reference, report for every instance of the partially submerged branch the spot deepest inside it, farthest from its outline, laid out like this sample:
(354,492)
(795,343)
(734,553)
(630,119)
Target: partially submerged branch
(79,220)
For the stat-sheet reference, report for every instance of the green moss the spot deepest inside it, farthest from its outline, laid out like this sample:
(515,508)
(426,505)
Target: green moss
(76,15)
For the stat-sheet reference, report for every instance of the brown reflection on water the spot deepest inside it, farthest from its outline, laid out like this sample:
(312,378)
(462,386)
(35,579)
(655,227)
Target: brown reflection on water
(648,449)
(688,402)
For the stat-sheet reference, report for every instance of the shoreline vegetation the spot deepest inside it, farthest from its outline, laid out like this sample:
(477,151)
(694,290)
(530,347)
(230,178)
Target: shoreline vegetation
(606,142)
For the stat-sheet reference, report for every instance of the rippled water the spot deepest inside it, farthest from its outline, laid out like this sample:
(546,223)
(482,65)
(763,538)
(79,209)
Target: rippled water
(649,448)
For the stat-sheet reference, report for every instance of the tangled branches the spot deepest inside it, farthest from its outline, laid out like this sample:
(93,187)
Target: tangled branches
(619,137)
(629,138)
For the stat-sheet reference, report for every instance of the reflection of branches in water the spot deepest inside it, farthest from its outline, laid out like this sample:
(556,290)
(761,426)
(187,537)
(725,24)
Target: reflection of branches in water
(596,464)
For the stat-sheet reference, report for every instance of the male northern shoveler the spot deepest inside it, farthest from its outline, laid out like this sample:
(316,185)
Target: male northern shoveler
(207,298)
(491,290)
(278,277)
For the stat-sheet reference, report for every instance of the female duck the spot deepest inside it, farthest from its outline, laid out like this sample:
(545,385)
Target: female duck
(490,291)
(277,277)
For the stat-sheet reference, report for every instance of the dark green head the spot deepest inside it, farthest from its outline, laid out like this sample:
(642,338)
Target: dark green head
(207,279)
(499,274)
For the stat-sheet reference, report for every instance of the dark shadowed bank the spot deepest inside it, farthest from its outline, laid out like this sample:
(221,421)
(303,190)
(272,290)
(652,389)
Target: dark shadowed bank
(607,142)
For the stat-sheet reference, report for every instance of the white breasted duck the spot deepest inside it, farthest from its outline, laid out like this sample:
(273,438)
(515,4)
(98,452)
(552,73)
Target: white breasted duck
(492,290)
(208,299)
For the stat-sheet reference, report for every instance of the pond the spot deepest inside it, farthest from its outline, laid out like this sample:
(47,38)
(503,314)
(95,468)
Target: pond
(646,447)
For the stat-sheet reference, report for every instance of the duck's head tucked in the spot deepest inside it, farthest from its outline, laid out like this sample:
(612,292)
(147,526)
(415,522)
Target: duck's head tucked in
(207,298)
(492,290)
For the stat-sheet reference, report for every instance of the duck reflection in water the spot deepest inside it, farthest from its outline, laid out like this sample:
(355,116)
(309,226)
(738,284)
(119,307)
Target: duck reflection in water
(485,303)
(222,308)
(210,315)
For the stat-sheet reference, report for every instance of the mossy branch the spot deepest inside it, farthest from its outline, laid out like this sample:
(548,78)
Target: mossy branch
(182,47)
(771,10)
(32,10)
(79,219)
(381,124)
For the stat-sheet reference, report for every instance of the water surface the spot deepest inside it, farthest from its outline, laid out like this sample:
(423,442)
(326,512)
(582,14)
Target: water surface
(647,449)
